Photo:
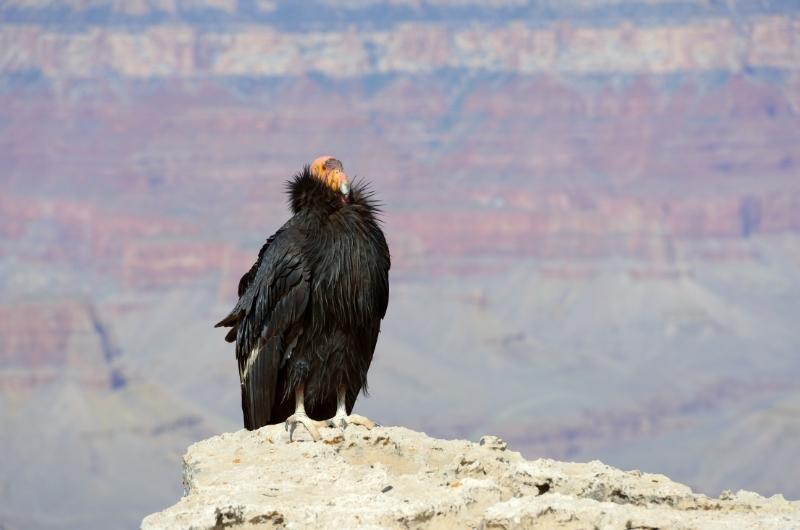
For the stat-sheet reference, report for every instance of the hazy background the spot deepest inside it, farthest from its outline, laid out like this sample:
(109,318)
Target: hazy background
(593,208)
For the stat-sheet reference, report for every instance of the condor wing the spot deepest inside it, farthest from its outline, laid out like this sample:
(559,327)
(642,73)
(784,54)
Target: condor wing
(266,322)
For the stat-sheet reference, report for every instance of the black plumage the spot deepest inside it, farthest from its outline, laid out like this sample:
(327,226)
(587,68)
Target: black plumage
(310,308)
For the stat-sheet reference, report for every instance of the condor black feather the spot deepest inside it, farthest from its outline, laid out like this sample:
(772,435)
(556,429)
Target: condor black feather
(309,310)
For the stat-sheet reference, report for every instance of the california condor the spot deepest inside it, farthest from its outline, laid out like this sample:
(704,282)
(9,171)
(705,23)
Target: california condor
(310,308)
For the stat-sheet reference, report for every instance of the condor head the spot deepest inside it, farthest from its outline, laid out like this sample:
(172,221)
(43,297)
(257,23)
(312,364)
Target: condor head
(331,172)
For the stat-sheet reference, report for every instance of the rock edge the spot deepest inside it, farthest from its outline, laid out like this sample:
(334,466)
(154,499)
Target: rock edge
(392,477)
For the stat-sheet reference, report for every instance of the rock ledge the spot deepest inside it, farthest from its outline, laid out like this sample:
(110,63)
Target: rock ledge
(392,477)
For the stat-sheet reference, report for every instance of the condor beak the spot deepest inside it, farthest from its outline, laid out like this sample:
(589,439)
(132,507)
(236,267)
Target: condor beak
(338,179)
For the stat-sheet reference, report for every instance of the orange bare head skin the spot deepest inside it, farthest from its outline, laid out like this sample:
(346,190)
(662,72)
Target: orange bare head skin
(330,171)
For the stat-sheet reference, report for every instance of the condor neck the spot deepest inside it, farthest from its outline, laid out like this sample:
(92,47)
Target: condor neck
(309,195)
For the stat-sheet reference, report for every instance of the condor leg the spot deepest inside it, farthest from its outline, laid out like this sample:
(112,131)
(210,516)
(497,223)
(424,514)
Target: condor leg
(301,418)
(342,420)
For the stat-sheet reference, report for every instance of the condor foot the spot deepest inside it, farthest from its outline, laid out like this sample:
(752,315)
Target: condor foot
(312,426)
(343,421)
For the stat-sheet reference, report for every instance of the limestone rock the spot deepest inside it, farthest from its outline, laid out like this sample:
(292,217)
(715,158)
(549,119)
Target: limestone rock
(392,477)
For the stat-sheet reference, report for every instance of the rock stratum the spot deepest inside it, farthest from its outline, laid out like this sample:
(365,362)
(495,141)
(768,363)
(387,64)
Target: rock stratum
(392,477)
